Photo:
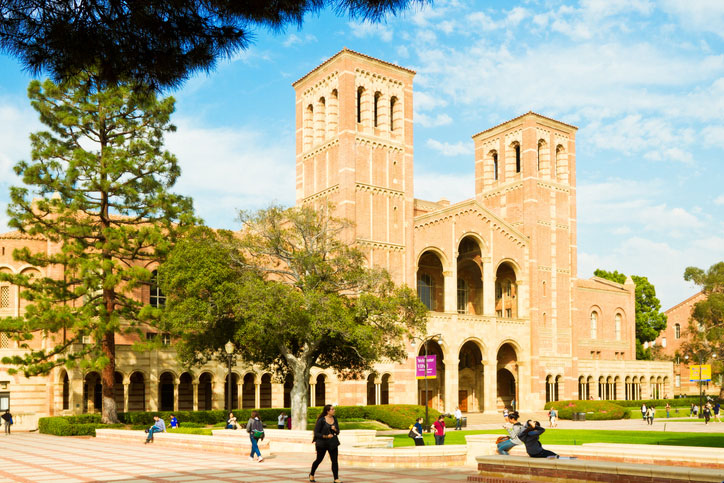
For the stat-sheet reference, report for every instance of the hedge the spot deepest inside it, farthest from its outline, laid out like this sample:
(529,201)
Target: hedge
(595,410)
(660,403)
(398,416)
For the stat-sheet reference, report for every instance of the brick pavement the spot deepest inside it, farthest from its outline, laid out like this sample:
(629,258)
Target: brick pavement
(32,457)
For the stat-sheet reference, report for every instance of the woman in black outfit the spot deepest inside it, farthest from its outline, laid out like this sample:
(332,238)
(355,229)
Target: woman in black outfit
(326,441)
(530,437)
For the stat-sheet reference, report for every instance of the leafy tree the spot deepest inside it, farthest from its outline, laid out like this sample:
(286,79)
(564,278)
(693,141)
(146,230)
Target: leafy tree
(291,295)
(102,180)
(650,321)
(706,329)
(153,42)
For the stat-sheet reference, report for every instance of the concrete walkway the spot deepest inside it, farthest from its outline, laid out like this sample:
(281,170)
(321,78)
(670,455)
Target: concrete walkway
(32,457)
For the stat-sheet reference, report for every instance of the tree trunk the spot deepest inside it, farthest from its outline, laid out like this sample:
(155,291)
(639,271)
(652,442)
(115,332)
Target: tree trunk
(300,394)
(108,380)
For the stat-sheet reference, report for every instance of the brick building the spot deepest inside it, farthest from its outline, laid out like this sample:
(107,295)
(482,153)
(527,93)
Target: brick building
(498,271)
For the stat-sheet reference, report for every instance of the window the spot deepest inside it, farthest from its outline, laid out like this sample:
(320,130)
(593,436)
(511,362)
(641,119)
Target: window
(376,104)
(509,313)
(151,335)
(393,101)
(507,288)
(360,90)
(158,299)
(424,290)
(594,324)
(166,339)
(4,341)
(4,401)
(663,342)
(495,166)
(677,331)
(618,326)
(517,158)
(462,296)
(86,339)
(5,297)
(677,380)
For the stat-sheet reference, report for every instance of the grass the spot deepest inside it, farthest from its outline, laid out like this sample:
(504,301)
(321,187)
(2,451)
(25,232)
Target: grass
(580,436)
(376,425)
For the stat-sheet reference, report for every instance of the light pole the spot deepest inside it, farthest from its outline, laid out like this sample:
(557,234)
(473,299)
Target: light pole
(229,349)
(700,356)
(436,337)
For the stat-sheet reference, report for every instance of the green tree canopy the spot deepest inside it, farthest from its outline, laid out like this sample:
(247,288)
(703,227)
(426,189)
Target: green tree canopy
(650,321)
(291,295)
(152,42)
(97,188)
(706,329)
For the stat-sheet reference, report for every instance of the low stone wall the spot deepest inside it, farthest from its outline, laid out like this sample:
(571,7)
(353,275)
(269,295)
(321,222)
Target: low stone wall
(187,441)
(405,457)
(297,441)
(517,469)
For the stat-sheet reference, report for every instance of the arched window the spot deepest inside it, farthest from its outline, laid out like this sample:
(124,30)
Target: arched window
(594,324)
(158,299)
(495,166)
(393,101)
(360,91)
(540,148)
(462,296)
(375,107)
(4,297)
(517,158)
(677,331)
(618,326)
(559,155)
(425,290)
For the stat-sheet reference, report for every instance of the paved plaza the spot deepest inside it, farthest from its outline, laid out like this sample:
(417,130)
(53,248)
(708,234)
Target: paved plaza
(31,457)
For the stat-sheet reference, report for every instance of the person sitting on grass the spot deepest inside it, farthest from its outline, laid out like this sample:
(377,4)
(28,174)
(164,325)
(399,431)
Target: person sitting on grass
(159,426)
(173,422)
(514,428)
(530,437)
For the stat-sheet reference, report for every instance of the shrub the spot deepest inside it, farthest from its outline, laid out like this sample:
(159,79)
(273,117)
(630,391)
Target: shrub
(72,425)
(595,410)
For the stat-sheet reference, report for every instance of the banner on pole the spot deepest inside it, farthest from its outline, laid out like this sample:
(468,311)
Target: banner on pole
(426,369)
(700,372)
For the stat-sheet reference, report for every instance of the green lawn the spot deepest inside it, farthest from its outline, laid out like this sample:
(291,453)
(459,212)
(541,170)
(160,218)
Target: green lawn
(580,436)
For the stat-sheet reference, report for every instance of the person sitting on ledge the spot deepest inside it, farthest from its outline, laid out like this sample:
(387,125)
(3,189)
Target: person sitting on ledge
(530,437)
(159,426)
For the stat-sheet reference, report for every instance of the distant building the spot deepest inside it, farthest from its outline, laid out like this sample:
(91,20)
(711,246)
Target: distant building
(498,271)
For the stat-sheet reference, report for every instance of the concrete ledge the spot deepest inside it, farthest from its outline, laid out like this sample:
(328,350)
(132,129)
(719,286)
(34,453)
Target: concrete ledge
(186,441)
(406,457)
(294,441)
(517,469)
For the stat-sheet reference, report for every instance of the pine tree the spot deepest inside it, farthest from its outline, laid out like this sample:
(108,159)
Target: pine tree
(97,188)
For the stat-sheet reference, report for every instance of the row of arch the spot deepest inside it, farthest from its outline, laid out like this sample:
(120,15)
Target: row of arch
(375,110)
(513,163)
(470,296)
(615,387)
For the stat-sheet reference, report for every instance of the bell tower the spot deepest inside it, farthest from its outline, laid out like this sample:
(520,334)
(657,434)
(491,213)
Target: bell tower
(354,148)
(525,171)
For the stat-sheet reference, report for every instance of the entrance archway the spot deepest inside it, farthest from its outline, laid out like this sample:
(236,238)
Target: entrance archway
(470,373)
(137,392)
(165,392)
(371,390)
(320,391)
(234,391)
(92,393)
(248,391)
(507,377)
(265,391)
(385,389)
(118,389)
(205,391)
(434,394)
(185,392)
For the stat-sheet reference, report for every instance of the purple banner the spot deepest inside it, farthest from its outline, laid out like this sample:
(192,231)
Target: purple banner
(429,372)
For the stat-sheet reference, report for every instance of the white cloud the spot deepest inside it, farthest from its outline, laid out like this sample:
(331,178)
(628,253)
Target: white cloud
(294,39)
(17,124)
(434,186)
(368,29)
(432,121)
(719,200)
(449,149)
(403,52)
(697,15)
(427,102)
(515,16)
(226,169)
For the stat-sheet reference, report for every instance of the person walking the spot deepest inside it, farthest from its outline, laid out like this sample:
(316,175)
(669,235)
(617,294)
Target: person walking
(416,432)
(668,410)
(458,419)
(643,411)
(159,426)
(7,418)
(281,420)
(531,438)
(255,428)
(325,439)
(691,411)
(717,407)
(553,418)
(439,426)
(706,412)
(650,413)
(514,429)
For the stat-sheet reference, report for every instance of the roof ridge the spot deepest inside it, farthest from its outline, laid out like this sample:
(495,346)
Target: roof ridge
(522,116)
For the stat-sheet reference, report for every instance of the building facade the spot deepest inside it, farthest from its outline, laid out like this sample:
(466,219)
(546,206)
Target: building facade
(513,323)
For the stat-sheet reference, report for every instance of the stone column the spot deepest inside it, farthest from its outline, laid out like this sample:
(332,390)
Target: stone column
(378,394)
(239,393)
(257,395)
(488,288)
(452,383)
(215,397)
(195,386)
(151,402)
(619,390)
(383,113)
(312,395)
(277,395)
(175,395)
(490,383)
(332,114)
(126,391)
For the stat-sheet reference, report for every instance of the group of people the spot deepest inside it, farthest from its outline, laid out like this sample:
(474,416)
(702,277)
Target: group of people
(648,413)
(439,434)
(528,435)
(708,411)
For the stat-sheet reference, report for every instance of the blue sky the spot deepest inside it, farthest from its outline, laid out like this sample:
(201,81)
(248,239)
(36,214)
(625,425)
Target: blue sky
(643,80)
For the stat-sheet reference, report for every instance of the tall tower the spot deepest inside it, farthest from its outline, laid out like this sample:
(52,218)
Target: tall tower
(525,171)
(354,148)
